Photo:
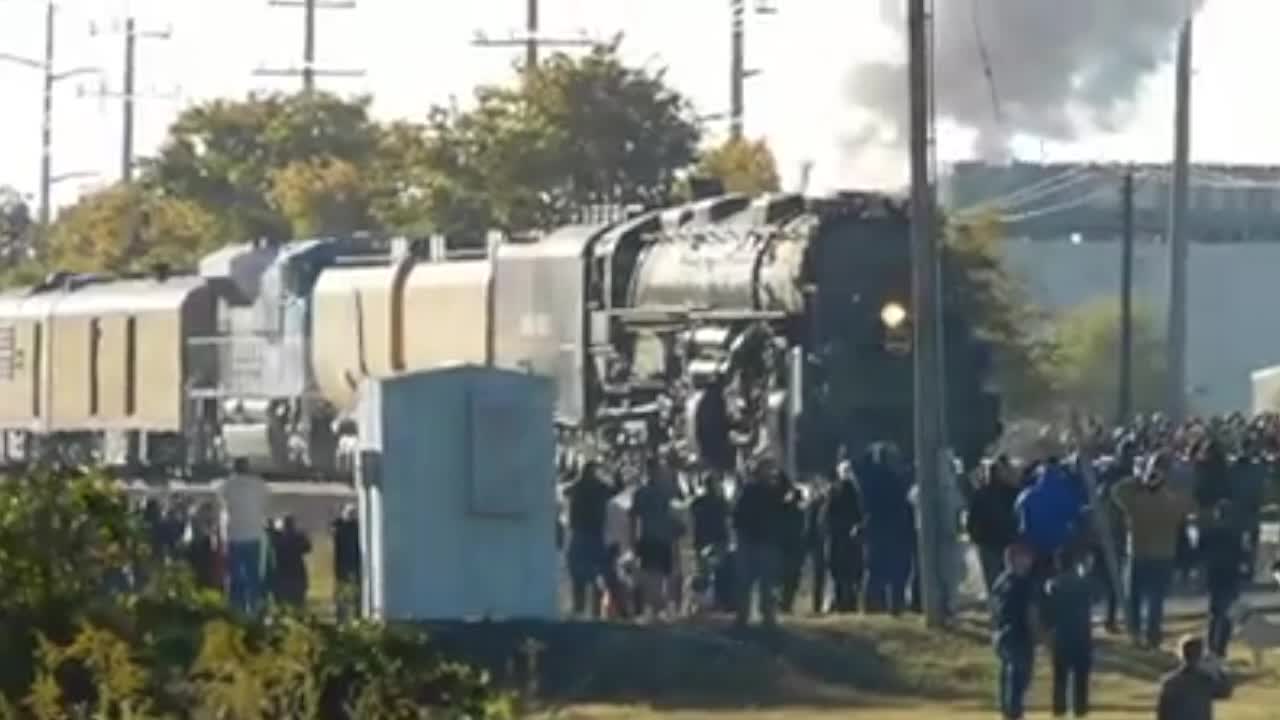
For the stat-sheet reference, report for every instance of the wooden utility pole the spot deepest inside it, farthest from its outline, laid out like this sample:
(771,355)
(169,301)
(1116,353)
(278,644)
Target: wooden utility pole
(1178,236)
(51,79)
(924,259)
(129,94)
(309,72)
(46,120)
(533,40)
(737,66)
(1124,403)
(738,71)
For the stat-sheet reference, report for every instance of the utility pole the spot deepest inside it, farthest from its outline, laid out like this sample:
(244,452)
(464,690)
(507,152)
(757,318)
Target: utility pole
(309,72)
(1124,404)
(924,270)
(1178,239)
(738,72)
(533,40)
(737,66)
(128,94)
(46,119)
(51,78)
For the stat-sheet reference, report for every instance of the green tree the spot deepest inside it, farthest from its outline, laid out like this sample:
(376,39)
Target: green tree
(321,196)
(743,166)
(15,227)
(1086,371)
(225,155)
(127,229)
(579,130)
(977,286)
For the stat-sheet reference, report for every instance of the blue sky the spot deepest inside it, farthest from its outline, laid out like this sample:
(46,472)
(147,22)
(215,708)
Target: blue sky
(418,52)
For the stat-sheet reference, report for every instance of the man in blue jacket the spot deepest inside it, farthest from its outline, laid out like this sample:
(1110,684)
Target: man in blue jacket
(1049,511)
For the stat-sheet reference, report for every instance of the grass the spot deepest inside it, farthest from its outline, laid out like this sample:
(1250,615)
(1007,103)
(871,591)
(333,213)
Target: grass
(878,668)
(821,668)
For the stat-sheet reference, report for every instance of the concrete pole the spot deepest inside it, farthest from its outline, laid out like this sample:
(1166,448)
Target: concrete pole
(737,67)
(924,257)
(130,59)
(46,120)
(1178,236)
(531,41)
(309,47)
(1124,404)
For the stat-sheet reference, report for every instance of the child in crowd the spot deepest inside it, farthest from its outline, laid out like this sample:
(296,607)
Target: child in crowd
(1069,612)
(1012,596)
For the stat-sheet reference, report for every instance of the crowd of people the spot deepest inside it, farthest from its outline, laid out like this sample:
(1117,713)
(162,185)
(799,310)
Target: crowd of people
(1163,504)
(233,547)
(627,536)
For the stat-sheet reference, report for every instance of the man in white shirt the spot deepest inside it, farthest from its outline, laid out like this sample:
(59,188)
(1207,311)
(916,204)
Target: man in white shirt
(244,505)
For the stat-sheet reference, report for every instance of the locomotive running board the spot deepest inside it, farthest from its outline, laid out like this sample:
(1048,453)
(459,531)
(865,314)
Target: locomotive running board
(662,315)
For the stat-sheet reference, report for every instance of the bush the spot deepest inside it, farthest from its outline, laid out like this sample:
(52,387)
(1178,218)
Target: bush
(75,646)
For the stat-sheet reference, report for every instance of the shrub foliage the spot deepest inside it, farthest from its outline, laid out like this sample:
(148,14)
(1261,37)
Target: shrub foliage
(79,642)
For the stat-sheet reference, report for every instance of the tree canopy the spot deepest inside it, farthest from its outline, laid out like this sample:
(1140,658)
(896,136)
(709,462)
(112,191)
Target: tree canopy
(580,130)
(126,229)
(15,226)
(742,166)
(977,285)
(577,131)
(229,156)
(1086,367)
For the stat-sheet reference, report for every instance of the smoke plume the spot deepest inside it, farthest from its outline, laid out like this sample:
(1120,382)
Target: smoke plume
(1059,68)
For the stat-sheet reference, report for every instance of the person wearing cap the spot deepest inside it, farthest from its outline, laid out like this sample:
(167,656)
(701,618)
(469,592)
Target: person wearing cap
(1188,692)
(1154,513)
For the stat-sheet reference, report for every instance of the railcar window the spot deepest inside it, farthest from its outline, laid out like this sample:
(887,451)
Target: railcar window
(130,365)
(95,343)
(7,352)
(37,357)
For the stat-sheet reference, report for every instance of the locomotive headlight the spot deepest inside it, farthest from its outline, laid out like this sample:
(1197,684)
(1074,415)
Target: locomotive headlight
(893,315)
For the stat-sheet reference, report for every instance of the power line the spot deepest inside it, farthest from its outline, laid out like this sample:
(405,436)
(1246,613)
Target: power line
(51,78)
(533,40)
(128,94)
(985,57)
(309,72)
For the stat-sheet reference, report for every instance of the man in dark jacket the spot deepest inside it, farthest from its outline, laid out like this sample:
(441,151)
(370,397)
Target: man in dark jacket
(289,549)
(990,521)
(842,522)
(793,535)
(1069,612)
(1188,692)
(1013,631)
(888,532)
(587,496)
(346,563)
(758,515)
(1221,552)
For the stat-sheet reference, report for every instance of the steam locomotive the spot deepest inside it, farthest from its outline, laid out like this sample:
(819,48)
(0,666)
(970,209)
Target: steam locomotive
(720,327)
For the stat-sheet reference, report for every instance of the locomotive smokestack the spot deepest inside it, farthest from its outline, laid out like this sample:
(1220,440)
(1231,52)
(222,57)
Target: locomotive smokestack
(1044,68)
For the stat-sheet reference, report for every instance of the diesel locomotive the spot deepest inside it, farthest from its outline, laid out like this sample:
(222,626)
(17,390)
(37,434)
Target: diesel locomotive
(719,327)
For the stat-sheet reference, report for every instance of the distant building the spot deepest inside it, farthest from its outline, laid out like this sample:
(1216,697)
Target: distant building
(1082,201)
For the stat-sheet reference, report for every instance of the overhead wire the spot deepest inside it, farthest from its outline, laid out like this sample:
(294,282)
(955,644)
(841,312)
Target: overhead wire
(1102,190)
(1041,188)
(985,57)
